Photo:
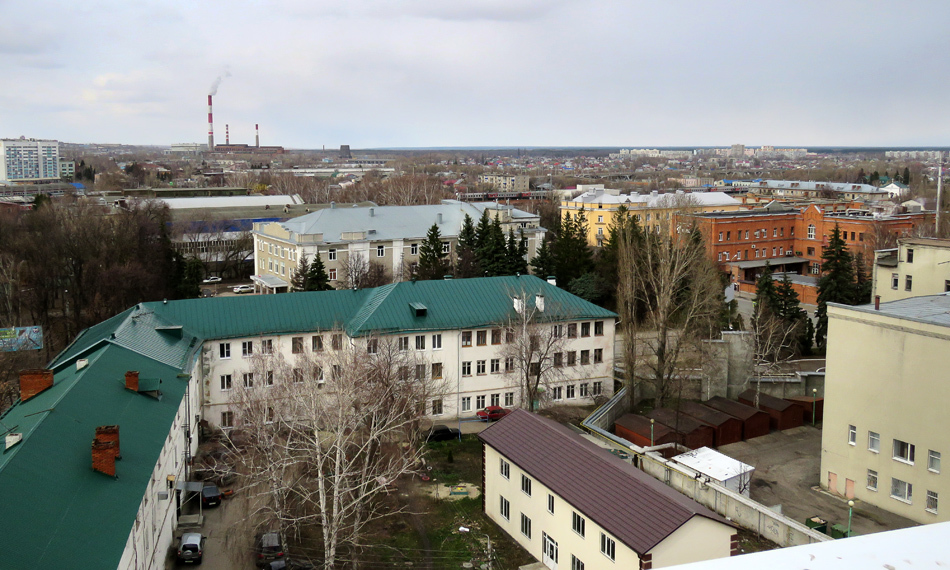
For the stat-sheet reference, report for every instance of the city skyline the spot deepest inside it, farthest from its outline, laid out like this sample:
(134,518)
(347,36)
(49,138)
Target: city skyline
(532,73)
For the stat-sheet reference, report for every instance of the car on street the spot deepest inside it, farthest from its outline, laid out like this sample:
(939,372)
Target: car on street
(289,564)
(212,279)
(441,432)
(244,289)
(191,548)
(207,293)
(210,496)
(270,547)
(492,413)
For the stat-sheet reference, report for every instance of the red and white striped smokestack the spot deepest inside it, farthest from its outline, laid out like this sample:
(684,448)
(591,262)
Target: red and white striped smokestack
(227,134)
(257,136)
(210,127)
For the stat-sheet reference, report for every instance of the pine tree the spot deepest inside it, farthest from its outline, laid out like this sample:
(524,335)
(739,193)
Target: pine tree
(766,296)
(574,257)
(515,255)
(466,262)
(432,262)
(298,281)
(544,265)
(317,278)
(906,179)
(836,284)
(862,282)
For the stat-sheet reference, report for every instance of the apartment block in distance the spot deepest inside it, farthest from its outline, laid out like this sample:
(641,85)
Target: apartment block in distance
(29,160)
(885,420)
(506,182)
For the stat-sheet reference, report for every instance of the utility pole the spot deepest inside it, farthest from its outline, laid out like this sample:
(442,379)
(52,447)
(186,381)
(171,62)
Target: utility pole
(939,190)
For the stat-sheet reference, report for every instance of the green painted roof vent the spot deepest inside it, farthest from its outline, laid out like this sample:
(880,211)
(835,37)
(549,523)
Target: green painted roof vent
(419,309)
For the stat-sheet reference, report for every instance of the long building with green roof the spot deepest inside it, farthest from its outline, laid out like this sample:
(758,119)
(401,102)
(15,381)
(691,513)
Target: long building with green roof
(189,354)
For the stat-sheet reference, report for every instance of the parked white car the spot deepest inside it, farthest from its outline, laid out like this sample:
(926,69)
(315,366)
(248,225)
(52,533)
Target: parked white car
(212,279)
(244,289)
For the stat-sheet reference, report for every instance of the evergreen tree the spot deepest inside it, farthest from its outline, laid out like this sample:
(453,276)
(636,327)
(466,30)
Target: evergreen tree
(316,276)
(862,282)
(467,235)
(574,257)
(466,263)
(298,281)
(544,265)
(875,177)
(432,262)
(836,284)
(766,296)
(515,255)
(906,179)
(190,285)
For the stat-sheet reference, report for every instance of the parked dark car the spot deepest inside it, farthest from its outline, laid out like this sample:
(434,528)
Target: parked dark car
(191,548)
(441,432)
(210,496)
(289,564)
(492,413)
(270,547)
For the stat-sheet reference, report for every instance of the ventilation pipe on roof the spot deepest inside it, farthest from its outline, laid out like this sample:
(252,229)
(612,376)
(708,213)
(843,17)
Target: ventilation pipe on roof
(539,302)
(552,280)
(332,205)
(372,212)
(438,218)
(877,302)
(518,304)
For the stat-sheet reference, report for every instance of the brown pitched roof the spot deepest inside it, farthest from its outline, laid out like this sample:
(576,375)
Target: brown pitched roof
(766,401)
(731,407)
(705,414)
(677,421)
(632,506)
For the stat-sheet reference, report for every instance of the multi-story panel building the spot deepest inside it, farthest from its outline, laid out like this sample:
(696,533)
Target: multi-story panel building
(885,422)
(67,169)
(916,267)
(572,504)
(506,182)
(29,160)
(390,236)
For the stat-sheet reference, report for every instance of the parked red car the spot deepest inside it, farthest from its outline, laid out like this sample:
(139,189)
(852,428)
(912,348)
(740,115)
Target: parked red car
(492,413)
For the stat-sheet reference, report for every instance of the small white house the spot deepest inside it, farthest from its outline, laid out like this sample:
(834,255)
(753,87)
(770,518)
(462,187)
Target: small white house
(721,469)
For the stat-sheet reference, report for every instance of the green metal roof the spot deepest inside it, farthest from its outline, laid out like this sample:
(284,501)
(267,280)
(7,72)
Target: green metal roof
(57,511)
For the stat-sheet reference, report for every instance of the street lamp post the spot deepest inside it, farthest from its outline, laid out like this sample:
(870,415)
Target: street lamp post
(814,402)
(466,529)
(651,432)
(850,512)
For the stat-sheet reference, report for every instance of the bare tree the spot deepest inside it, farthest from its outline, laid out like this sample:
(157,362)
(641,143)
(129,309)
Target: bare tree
(774,343)
(358,273)
(320,439)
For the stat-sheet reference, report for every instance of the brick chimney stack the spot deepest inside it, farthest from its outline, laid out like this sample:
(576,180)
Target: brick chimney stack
(32,382)
(110,434)
(103,456)
(132,380)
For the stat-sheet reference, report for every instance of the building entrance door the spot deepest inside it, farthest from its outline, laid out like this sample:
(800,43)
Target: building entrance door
(550,551)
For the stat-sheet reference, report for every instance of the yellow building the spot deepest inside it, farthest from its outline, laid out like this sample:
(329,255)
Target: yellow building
(652,211)
(886,389)
(917,266)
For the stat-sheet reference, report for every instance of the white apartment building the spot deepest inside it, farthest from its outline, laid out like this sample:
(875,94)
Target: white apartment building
(29,160)
(916,267)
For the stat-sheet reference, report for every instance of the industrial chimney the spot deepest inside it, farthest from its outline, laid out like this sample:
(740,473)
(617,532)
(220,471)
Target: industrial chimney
(227,134)
(210,127)
(257,136)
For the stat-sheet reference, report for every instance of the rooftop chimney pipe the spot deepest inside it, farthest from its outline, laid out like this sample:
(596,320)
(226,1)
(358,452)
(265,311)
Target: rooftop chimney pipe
(227,134)
(210,127)
(877,302)
(257,136)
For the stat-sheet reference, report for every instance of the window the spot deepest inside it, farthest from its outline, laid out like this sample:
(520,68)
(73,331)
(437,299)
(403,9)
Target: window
(550,503)
(466,338)
(933,461)
(227,419)
(585,389)
(585,329)
(297,375)
(331,254)
(571,391)
(336,342)
(509,335)
(437,342)
(852,435)
(467,368)
(380,251)
(598,328)
(296,345)
(774,232)
(317,343)
(509,398)
(420,342)
(496,336)
(557,393)
(225,381)
(247,348)
(414,249)
(437,407)
(480,402)
(598,355)
(572,358)
(248,379)
(874,441)
(495,365)
(336,372)
(578,524)
(811,231)
(572,330)
(403,343)
(509,364)
(600,219)
(607,546)
(597,388)
(902,490)
(728,236)
(267,346)
(525,485)
(585,357)
(480,367)
(495,399)
(420,372)
(903,451)
(910,255)
(446,248)
(932,502)
(720,236)
(331,274)
(224,350)
(815,268)
(895,281)
(269,377)
(872,479)
(525,526)
(481,338)
(505,508)
(576,564)
(908,283)
(436,370)
(558,359)
(467,404)
(372,346)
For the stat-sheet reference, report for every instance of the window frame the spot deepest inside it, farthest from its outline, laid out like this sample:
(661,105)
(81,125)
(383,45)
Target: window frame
(852,435)
(908,457)
(525,484)
(874,438)
(933,457)
(872,478)
(504,508)
(907,496)
(578,524)
(608,547)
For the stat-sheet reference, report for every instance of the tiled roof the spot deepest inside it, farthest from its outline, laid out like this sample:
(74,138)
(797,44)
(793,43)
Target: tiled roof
(629,504)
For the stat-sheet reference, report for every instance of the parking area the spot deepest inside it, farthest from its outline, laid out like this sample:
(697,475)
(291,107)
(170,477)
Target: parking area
(787,473)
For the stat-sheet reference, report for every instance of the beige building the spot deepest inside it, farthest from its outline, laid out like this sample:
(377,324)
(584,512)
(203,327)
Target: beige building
(506,182)
(885,392)
(390,236)
(916,267)
(571,504)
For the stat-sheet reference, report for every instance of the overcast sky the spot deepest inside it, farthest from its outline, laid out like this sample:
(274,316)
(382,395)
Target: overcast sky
(423,73)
